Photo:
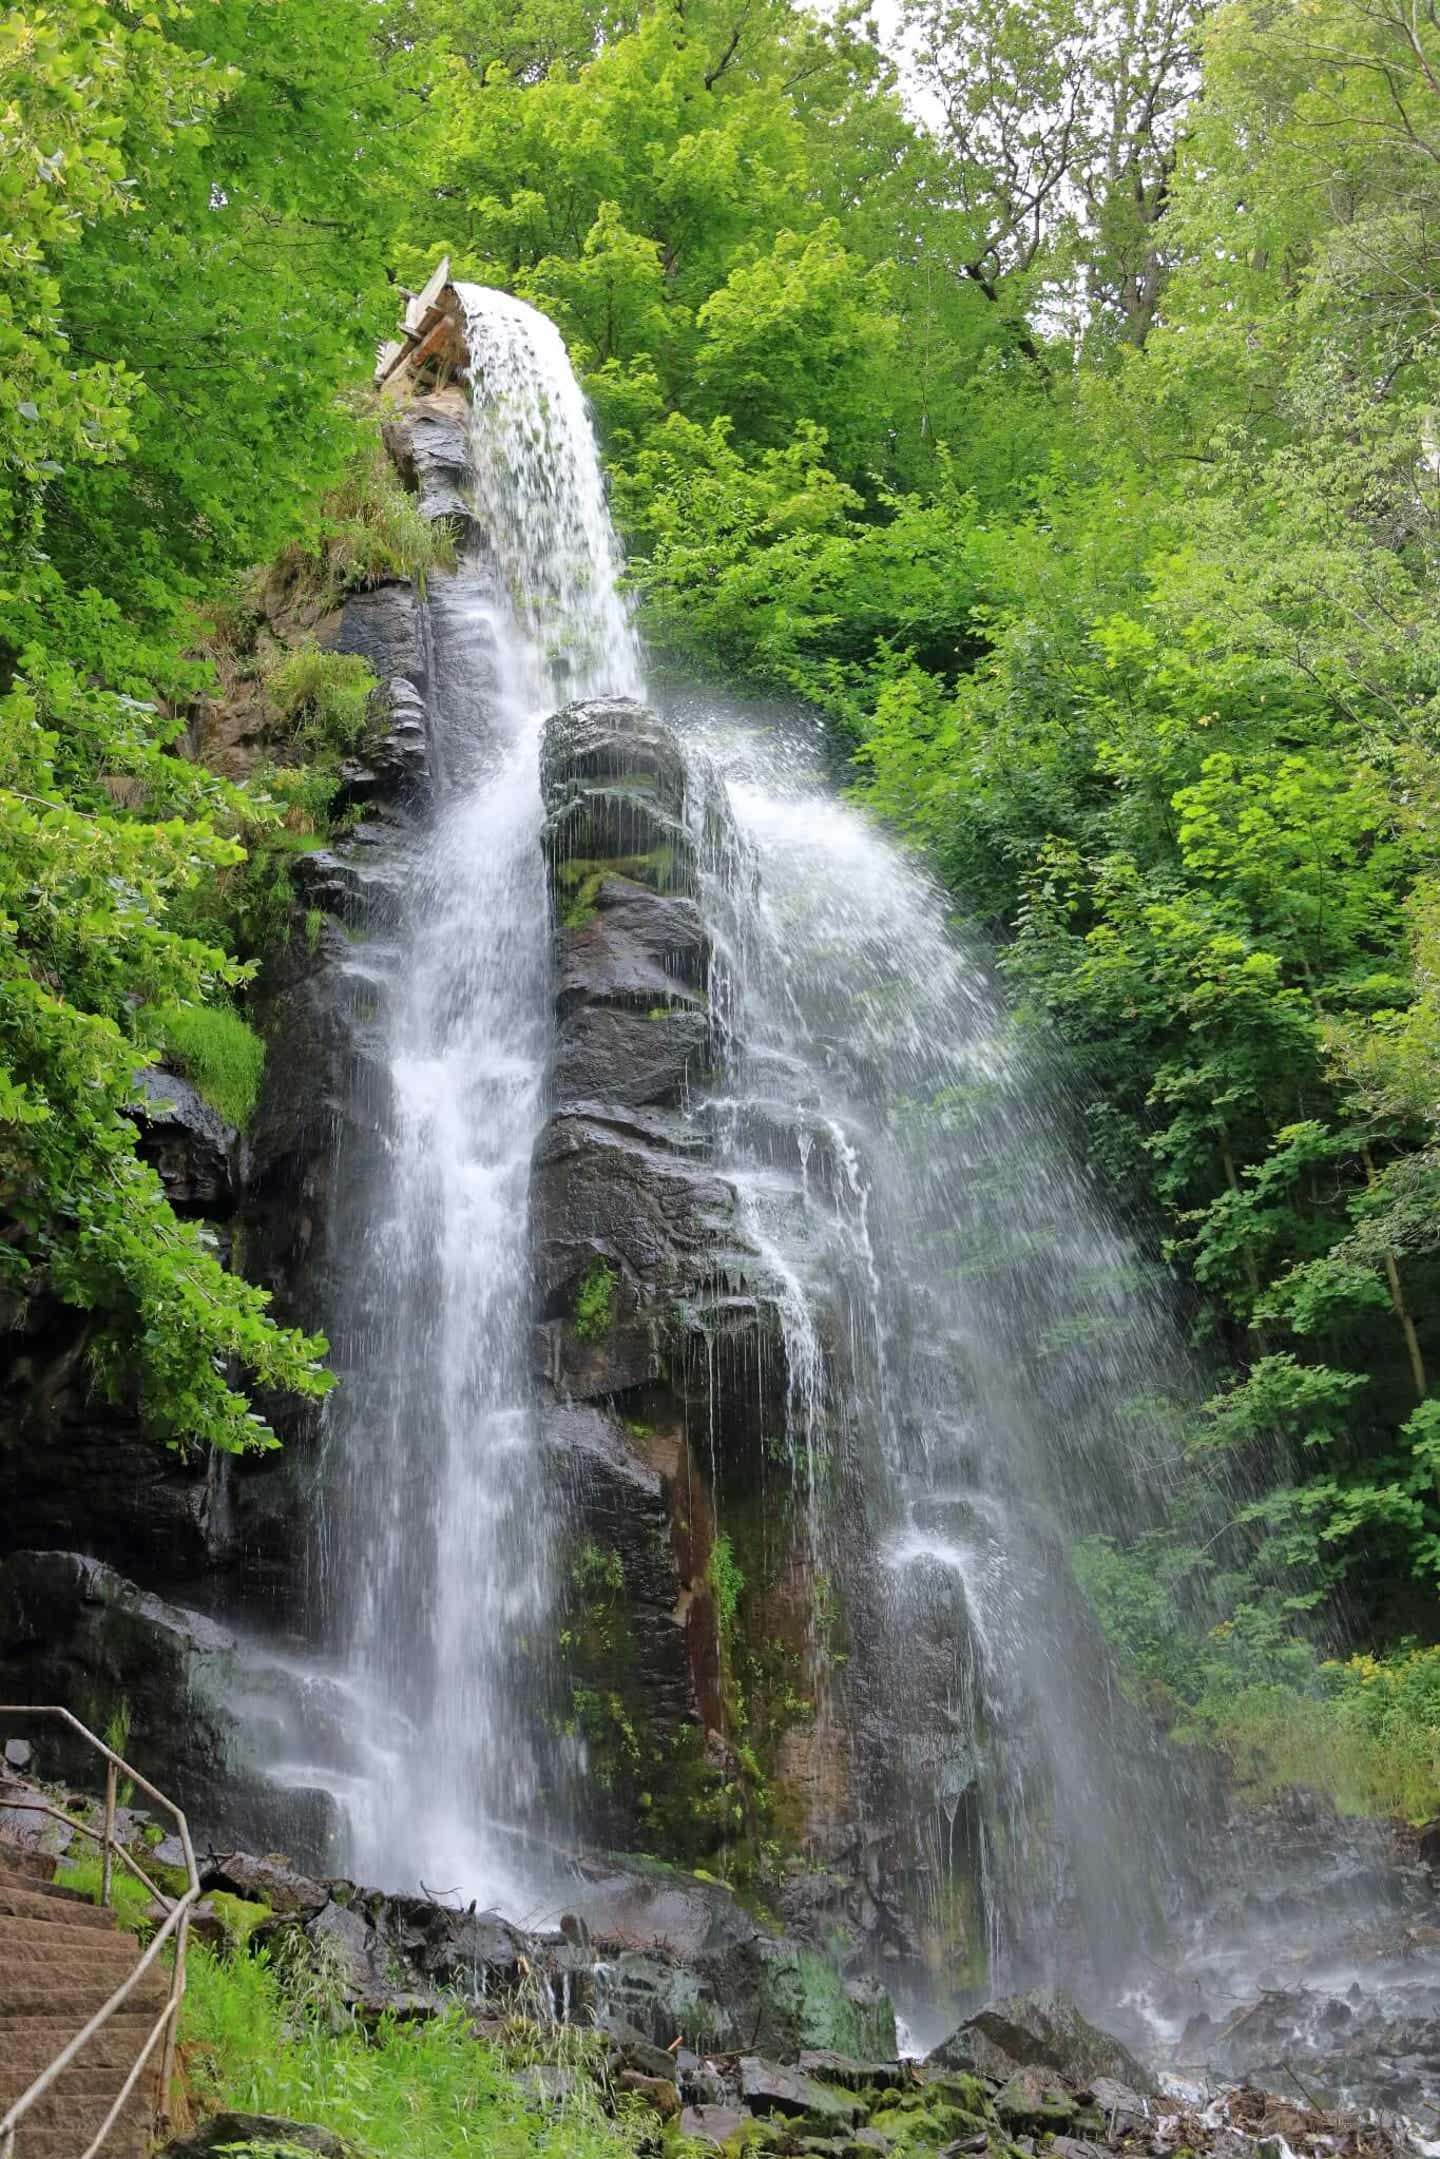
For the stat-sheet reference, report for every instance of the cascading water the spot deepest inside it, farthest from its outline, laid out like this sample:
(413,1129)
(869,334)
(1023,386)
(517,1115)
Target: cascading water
(435,1535)
(971,1358)
(959,1344)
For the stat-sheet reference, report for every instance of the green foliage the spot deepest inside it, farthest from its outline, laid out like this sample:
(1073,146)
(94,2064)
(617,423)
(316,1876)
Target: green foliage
(593,1312)
(369,530)
(726,1582)
(130,1900)
(252,2044)
(323,696)
(219,1052)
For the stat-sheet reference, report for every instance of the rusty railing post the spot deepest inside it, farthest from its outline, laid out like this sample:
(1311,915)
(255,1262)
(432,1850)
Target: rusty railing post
(108,1846)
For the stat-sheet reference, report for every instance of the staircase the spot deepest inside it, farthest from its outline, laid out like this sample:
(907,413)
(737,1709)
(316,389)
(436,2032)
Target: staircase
(61,1958)
(88,2018)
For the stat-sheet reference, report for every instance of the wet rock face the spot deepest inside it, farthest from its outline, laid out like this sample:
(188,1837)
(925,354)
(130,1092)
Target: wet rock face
(76,1468)
(429,439)
(191,1148)
(626,1212)
(74,1631)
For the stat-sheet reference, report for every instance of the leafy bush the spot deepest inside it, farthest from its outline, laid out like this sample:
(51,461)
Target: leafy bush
(1365,1732)
(219,1053)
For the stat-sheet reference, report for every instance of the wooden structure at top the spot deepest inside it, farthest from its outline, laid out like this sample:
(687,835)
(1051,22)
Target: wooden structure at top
(431,344)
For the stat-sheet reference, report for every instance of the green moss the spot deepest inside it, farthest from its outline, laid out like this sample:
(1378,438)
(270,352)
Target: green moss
(218,1052)
(593,1311)
(239,1916)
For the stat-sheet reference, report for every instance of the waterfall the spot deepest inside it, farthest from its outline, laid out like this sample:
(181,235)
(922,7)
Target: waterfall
(435,1528)
(976,1356)
(966,1350)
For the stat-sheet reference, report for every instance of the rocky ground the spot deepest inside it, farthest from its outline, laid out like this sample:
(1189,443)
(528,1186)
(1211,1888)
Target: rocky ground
(736,2040)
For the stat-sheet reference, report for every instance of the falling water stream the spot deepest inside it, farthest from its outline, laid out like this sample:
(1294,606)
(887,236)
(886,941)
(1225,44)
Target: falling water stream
(434,1517)
(968,1346)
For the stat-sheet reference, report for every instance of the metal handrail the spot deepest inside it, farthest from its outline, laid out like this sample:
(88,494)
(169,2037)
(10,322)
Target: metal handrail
(177,1922)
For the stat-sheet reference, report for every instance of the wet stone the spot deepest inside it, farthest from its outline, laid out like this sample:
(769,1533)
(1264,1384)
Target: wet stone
(711,2124)
(1032,2098)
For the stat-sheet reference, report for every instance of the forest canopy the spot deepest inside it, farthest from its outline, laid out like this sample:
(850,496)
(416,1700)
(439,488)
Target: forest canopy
(1055,408)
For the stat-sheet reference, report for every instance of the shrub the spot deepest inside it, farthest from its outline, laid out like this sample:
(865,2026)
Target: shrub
(370,530)
(218,1053)
(1365,1732)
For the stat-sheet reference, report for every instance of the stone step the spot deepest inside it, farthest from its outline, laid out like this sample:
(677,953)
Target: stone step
(52,1910)
(36,1885)
(39,1993)
(125,2141)
(28,2043)
(79,2118)
(64,1930)
(20,1859)
(76,2082)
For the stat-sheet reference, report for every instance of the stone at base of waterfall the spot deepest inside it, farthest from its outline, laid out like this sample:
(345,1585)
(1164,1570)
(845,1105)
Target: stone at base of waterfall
(657,2093)
(712,2125)
(1039,2031)
(266,2132)
(1034,2099)
(545,2084)
(766,2088)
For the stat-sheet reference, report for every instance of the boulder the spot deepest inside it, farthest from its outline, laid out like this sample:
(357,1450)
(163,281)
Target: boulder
(1034,2099)
(766,2088)
(1041,2031)
(657,2093)
(187,1143)
(684,1959)
(853,2076)
(271,1880)
(712,2125)
(238,2133)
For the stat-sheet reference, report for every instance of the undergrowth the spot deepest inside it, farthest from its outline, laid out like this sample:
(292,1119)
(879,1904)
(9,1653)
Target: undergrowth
(370,531)
(1365,1732)
(219,1053)
(323,696)
(423,2090)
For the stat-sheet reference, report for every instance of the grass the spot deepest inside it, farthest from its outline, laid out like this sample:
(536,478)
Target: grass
(218,1053)
(130,1901)
(263,2036)
(425,2090)
(324,696)
(1365,1733)
(370,531)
